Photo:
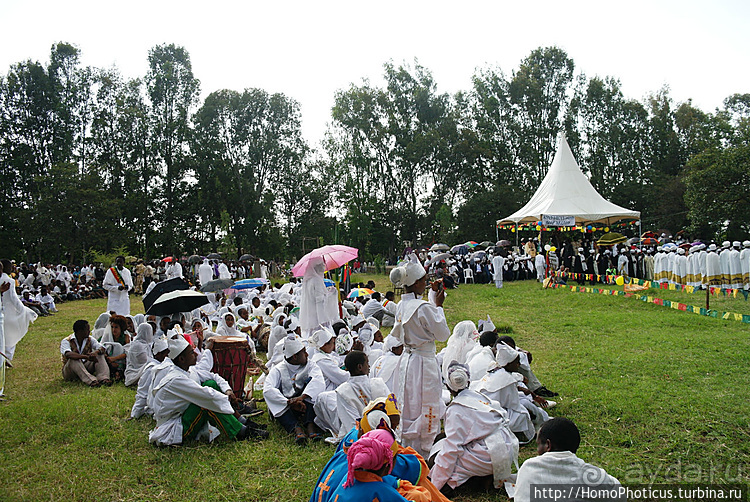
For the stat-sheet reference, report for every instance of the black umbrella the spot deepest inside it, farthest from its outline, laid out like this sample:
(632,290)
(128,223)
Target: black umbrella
(175,284)
(214,256)
(184,300)
(247,257)
(217,285)
(194,259)
(503,243)
(483,245)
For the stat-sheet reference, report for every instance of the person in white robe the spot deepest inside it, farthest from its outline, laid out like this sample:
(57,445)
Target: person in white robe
(419,325)
(46,300)
(205,272)
(680,267)
(315,309)
(185,408)
(483,357)
(386,367)
(390,306)
(745,264)
(540,266)
(16,315)
(139,353)
(160,350)
(326,415)
(726,275)
(713,275)
(558,464)
(353,395)
(501,384)
(4,287)
(118,283)
(478,441)
(498,263)
(174,269)
(290,390)
(224,272)
(735,266)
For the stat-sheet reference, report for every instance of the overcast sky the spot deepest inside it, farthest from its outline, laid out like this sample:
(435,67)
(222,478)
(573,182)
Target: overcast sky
(307,49)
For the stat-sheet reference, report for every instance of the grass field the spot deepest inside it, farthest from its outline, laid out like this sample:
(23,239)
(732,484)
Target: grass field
(659,395)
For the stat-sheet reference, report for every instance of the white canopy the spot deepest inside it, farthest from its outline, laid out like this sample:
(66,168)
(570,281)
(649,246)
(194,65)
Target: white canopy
(567,192)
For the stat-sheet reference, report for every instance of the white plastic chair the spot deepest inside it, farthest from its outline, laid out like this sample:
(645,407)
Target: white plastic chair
(468,274)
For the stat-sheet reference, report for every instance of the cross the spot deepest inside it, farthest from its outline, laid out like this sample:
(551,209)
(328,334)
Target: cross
(324,486)
(429,417)
(392,399)
(363,398)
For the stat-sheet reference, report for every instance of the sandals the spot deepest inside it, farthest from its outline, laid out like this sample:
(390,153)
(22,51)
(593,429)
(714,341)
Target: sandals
(316,437)
(300,438)
(107,382)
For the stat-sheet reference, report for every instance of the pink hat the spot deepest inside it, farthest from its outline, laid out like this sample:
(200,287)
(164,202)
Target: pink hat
(371,451)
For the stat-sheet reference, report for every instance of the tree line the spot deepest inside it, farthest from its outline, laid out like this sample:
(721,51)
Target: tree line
(93,161)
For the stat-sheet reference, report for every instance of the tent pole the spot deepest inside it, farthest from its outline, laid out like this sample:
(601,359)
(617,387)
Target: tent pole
(516,235)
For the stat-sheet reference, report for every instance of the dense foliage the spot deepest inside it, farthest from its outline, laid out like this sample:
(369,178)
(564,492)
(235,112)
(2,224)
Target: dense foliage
(94,161)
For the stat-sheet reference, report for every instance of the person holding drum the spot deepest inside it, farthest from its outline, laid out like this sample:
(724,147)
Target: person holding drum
(183,407)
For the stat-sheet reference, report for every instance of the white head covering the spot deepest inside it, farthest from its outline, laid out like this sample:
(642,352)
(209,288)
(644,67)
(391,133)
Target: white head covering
(293,324)
(746,244)
(139,319)
(101,325)
(176,346)
(712,247)
(391,342)
(223,329)
(505,354)
(160,344)
(344,342)
(321,337)
(459,344)
(357,319)
(366,335)
(145,333)
(374,322)
(458,377)
(736,244)
(407,274)
(487,325)
(292,345)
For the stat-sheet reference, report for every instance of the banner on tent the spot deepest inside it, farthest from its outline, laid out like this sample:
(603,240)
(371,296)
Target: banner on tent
(555,220)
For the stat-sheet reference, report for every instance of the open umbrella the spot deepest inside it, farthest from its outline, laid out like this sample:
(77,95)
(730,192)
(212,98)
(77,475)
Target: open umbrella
(333,257)
(250,283)
(503,243)
(650,241)
(175,284)
(484,244)
(194,259)
(329,283)
(167,259)
(437,258)
(217,285)
(611,239)
(183,300)
(439,247)
(247,257)
(634,240)
(650,234)
(214,256)
(356,292)
(478,255)
(471,244)
(459,249)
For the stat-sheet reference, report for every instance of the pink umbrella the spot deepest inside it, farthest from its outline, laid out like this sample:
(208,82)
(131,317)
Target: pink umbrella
(333,256)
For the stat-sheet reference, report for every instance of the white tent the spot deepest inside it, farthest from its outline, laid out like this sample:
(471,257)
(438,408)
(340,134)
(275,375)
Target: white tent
(565,194)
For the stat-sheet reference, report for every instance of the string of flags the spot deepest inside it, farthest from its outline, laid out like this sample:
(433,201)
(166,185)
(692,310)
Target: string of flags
(613,280)
(730,316)
(539,227)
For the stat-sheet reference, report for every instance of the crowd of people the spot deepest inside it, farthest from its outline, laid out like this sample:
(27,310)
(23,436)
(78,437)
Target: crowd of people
(410,422)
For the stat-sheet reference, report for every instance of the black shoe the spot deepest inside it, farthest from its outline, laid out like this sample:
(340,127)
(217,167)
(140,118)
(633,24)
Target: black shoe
(254,425)
(258,433)
(243,434)
(545,392)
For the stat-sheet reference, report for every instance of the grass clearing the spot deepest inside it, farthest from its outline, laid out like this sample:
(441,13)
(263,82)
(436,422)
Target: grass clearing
(658,394)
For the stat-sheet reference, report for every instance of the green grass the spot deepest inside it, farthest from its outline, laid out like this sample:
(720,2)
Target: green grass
(658,395)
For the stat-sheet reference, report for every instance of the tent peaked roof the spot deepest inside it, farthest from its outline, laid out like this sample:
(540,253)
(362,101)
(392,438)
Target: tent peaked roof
(566,191)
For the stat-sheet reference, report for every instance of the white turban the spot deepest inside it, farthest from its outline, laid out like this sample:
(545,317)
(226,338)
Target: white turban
(505,354)
(374,322)
(321,337)
(292,345)
(458,376)
(160,345)
(357,319)
(176,346)
(391,342)
(366,335)
(407,274)
(487,325)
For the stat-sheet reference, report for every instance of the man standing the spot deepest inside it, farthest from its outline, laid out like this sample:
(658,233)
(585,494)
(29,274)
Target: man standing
(498,263)
(174,269)
(118,283)
(140,270)
(16,316)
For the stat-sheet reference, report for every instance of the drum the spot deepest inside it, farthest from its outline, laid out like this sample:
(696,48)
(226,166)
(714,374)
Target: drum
(230,360)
